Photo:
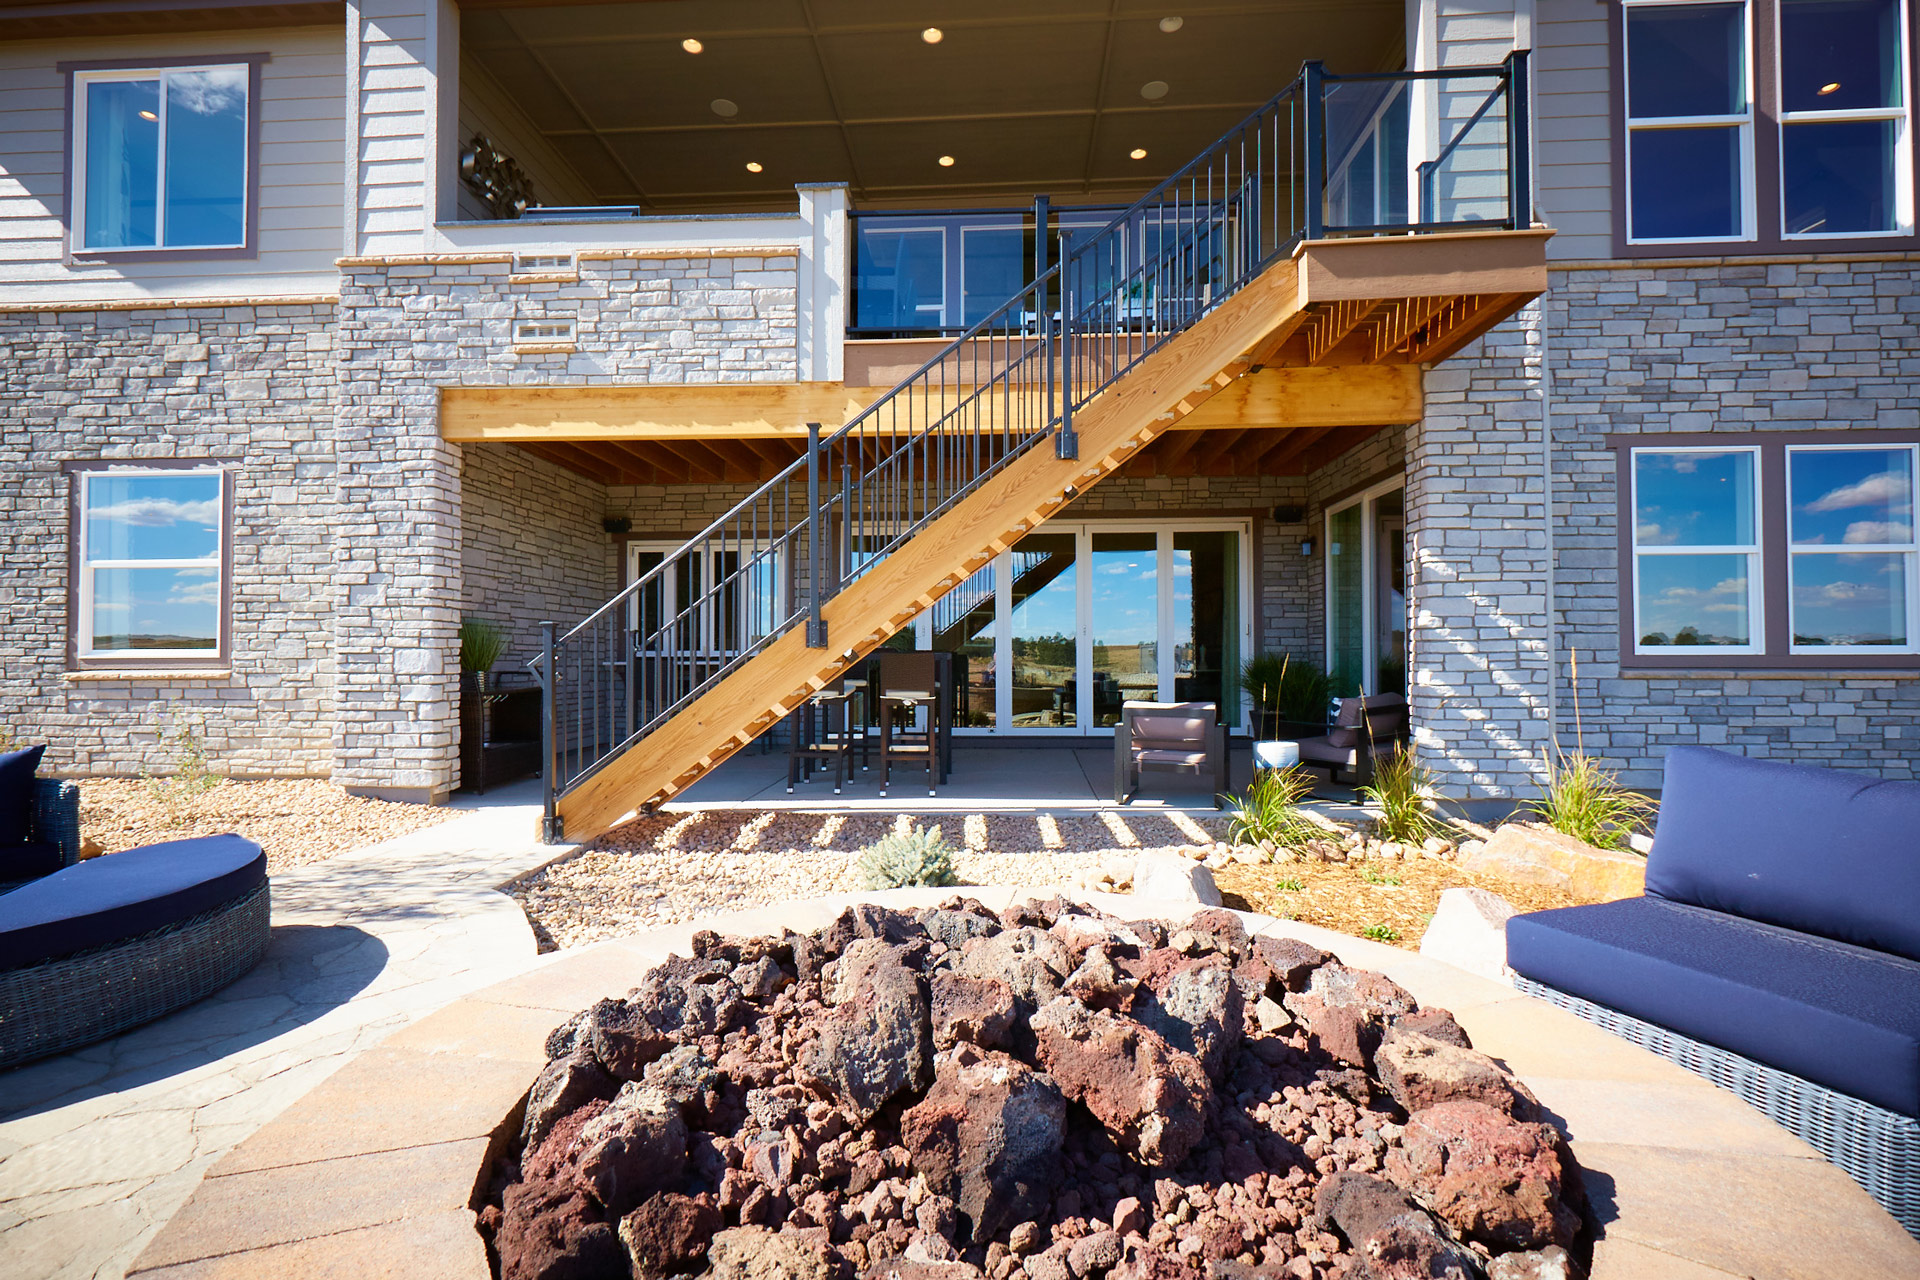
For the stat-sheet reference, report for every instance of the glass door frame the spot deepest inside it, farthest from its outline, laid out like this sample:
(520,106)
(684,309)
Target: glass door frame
(1367,499)
(706,633)
(1083,532)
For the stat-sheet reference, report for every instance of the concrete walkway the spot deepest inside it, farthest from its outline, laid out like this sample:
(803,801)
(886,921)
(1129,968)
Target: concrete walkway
(100,1147)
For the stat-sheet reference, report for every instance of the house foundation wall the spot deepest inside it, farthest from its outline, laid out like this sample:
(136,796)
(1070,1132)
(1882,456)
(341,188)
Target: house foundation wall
(248,386)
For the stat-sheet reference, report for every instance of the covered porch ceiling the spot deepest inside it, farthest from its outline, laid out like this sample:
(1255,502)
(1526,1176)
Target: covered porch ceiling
(1023,96)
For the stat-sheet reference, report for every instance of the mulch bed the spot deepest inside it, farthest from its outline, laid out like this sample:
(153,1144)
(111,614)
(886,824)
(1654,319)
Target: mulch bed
(1354,897)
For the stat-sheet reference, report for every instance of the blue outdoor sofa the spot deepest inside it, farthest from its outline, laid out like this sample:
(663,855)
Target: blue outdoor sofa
(89,949)
(1776,952)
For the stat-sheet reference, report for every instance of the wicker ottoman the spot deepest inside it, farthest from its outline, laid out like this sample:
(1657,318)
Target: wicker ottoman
(97,948)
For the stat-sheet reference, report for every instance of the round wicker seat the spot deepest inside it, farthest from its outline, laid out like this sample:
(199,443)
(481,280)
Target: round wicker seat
(113,942)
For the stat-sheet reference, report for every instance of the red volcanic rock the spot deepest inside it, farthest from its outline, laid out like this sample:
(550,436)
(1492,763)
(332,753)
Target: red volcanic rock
(1151,1096)
(976,1010)
(1111,1100)
(1489,1176)
(988,1135)
(551,1230)
(668,1235)
(1422,1072)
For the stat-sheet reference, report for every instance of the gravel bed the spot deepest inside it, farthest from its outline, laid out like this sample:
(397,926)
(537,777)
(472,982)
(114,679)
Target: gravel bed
(297,821)
(674,867)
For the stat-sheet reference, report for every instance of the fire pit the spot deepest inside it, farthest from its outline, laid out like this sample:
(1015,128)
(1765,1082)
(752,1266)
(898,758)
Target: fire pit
(1049,1092)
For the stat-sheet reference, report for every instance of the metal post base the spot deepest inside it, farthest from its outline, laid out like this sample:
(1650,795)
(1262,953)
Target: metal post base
(552,829)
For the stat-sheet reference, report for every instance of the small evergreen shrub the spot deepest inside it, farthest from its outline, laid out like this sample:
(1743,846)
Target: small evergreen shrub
(899,859)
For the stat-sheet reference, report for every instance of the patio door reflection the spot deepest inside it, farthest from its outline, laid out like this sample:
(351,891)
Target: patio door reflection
(1043,595)
(1124,630)
(1366,566)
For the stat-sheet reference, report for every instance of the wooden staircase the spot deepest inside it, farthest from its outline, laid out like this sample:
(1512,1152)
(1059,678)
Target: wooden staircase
(1410,300)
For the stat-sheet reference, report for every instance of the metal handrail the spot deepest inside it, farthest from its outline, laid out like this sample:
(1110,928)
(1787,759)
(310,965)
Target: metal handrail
(1007,383)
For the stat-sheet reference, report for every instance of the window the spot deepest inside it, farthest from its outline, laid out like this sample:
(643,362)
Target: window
(1696,550)
(1852,550)
(1765,121)
(162,158)
(1769,550)
(1689,121)
(150,564)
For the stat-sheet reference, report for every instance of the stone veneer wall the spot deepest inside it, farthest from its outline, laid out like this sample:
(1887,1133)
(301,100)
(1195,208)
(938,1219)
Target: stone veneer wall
(251,386)
(409,327)
(532,546)
(1735,347)
(1477,572)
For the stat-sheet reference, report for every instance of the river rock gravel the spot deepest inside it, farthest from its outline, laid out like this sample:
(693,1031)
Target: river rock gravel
(676,866)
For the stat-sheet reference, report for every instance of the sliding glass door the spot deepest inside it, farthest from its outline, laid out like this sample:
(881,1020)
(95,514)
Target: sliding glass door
(1083,617)
(1366,568)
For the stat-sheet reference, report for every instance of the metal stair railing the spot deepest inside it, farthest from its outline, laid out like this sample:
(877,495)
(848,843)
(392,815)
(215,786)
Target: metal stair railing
(1009,383)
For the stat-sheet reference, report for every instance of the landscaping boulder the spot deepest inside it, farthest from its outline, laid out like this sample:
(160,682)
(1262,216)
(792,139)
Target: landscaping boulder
(1152,1098)
(1491,1177)
(1172,878)
(1469,931)
(1599,875)
(988,1136)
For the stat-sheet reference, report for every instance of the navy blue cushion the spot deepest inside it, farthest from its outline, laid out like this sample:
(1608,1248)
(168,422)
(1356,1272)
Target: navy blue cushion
(16,795)
(28,861)
(122,895)
(1818,850)
(1841,1016)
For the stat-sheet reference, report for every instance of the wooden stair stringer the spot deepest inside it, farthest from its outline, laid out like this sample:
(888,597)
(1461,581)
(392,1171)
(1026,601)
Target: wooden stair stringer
(1111,429)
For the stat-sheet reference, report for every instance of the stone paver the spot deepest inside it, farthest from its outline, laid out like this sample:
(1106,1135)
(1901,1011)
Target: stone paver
(1684,1186)
(100,1147)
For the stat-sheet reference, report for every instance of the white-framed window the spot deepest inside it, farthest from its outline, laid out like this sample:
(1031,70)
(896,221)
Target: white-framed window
(161,158)
(1853,563)
(1696,551)
(1846,161)
(1689,121)
(150,563)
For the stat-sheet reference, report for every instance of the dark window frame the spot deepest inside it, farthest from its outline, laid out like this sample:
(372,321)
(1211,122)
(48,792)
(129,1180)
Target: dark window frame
(1768,234)
(1775,559)
(222,655)
(249,248)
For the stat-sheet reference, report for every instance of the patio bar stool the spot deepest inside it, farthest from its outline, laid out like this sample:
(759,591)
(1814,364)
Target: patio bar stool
(908,683)
(817,732)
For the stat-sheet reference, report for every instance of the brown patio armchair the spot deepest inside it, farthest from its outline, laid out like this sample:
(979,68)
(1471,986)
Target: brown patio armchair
(1364,731)
(1174,737)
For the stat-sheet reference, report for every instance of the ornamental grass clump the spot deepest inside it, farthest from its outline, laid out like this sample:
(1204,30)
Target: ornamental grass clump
(1584,800)
(481,644)
(1403,791)
(1269,814)
(903,858)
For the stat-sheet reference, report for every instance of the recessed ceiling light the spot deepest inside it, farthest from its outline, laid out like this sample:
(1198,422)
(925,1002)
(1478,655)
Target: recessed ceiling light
(754,166)
(933,35)
(1138,153)
(1171,25)
(1154,90)
(725,108)
(1826,89)
(946,162)
(148,115)
(691,45)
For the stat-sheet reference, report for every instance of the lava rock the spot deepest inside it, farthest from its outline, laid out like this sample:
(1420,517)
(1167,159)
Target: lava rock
(1152,1098)
(686,1075)
(551,1230)
(1031,962)
(755,1253)
(1392,1236)
(1437,1023)
(905,1268)
(874,1044)
(621,1037)
(1198,1010)
(1276,966)
(976,1010)
(1550,1263)
(565,1038)
(1491,1177)
(1339,1031)
(633,1149)
(686,999)
(668,1235)
(989,1135)
(1096,1254)
(956,921)
(1422,1072)
(564,1084)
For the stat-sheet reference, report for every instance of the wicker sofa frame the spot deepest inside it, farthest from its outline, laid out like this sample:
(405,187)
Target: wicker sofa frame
(1877,1148)
(78,999)
(55,819)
